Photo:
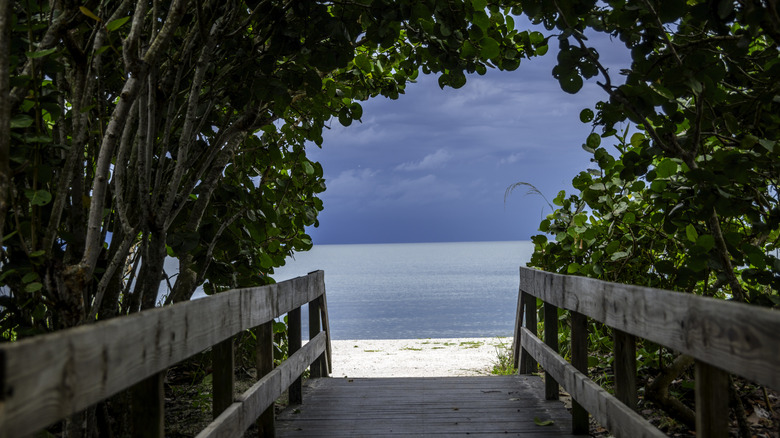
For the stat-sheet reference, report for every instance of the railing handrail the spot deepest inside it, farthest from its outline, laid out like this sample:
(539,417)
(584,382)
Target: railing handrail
(46,378)
(736,338)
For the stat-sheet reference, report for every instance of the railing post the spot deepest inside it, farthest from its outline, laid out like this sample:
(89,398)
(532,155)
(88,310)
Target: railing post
(551,339)
(148,407)
(264,364)
(319,367)
(223,378)
(326,327)
(580,424)
(518,324)
(712,401)
(624,365)
(294,343)
(527,362)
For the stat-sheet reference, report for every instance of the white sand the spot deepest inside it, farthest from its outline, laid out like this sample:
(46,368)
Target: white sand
(416,357)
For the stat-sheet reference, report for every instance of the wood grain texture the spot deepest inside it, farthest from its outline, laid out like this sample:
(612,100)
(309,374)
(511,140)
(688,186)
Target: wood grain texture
(579,359)
(624,366)
(318,367)
(740,338)
(147,407)
(422,407)
(50,377)
(264,357)
(551,339)
(294,344)
(712,401)
(223,377)
(260,397)
(527,362)
(519,315)
(619,419)
(326,327)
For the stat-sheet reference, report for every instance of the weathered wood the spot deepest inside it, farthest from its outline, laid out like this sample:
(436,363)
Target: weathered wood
(527,362)
(712,401)
(223,380)
(147,407)
(314,328)
(326,327)
(422,407)
(261,396)
(624,366)
(551,339)
(580,424)
(50,377)
(294,344)
(619,419)
(738,337)
(516,336)
(264,364)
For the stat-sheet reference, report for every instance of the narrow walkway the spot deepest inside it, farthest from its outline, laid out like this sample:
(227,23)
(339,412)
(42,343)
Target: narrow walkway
(443,406)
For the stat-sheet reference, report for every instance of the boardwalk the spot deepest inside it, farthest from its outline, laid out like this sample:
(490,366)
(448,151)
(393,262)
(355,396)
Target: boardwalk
(435,406)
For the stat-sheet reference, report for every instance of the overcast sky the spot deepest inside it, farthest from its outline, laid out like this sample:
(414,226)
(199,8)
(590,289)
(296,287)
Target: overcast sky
(433,165)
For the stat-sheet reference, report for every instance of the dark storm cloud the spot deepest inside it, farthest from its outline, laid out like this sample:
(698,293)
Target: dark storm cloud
(434,164)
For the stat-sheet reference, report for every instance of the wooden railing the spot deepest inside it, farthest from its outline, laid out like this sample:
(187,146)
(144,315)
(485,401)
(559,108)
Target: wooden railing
(48,378)
(723,337)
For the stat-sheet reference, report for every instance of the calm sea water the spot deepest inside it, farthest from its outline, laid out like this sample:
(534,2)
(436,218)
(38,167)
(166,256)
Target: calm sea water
(417,290)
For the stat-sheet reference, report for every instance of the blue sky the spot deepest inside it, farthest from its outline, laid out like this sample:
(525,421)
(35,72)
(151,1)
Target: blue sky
(433,165)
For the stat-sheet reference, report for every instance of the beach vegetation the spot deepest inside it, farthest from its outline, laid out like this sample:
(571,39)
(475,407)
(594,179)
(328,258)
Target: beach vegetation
(682,191)
(503,364)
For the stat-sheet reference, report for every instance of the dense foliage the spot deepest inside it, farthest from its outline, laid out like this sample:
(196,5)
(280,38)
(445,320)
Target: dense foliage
(687,197)
(687,200)
(137,130)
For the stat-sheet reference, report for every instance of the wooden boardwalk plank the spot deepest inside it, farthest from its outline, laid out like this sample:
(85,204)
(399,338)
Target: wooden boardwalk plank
(444,406)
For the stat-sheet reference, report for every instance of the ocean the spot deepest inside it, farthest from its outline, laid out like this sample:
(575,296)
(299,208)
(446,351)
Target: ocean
(416,290)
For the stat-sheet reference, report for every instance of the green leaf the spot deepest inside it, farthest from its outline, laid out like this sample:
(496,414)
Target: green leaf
(586,115)
(691,234)
(38,197)
(481,20)
(558,200)
(488,48)
(637,139)
(266,261)
(571,83)
(539,422)
(706,242)
(89,13)
(21,121)
(116,24)
(363,63)
(308,168)
(619,255)
(356,111)
(769,145)
(33,287)
(593,141)
(344,117)
(41,53)
(30,277)
(479,5)
(573,268)
(666,168)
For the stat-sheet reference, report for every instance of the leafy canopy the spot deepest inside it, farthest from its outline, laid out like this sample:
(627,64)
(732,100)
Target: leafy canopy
(689,200)
(137,130)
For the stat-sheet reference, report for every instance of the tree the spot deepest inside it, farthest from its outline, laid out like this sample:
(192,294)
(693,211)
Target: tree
(138,130)
(689,201)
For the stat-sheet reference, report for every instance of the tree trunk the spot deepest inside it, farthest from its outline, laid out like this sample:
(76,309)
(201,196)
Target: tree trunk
(151,270)
(5,113)
(657,391)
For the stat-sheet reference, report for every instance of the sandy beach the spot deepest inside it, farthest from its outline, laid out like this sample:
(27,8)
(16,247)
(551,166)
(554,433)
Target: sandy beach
(416,357)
